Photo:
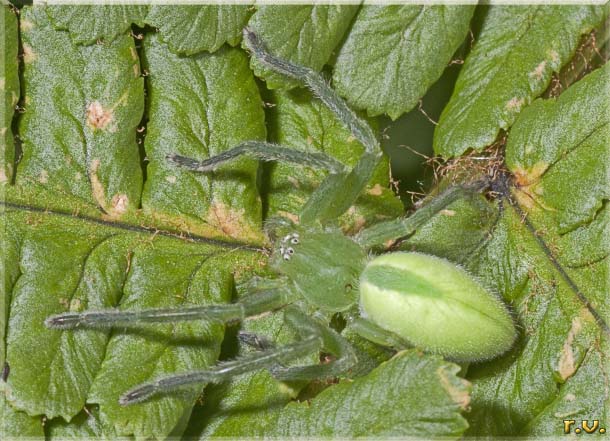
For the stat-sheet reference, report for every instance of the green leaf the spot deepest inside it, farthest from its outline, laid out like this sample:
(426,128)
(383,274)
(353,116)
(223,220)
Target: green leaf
(83,104)
(89,23)
(553,152)
(74,258)
(15,424)
(191,29)
(555,141)
(393,54)
(563,183)
(72,264)
(303,34)
(411,395)
(10,86)
(583,397)
(88,424)
(164,275)
(98,219)
(199,107)
(511,63)
(9,81)
(305,124)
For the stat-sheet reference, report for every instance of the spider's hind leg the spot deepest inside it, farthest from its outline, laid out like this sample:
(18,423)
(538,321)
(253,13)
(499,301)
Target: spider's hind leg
(268,356)
(256,341)
(332,343)
(315,336)
(225,371)
(373,333)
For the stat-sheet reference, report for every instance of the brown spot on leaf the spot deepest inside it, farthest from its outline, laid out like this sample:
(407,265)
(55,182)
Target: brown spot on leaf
(526,177)
(389,243)
(75,305)
(528,184)
(377,190)
(538,71)
(120,203)
(96,185)
(227,220)
(2,83)
(515,104)
(567,363)
(26,25)
(459,393)
(293,217)
(294,181)
(97,116)
(446,212)
(28,54)
(3,175)
(43,177)
(356,221)
(359,223)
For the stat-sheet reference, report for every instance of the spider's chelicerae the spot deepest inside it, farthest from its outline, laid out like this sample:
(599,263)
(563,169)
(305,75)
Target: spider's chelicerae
(421,299)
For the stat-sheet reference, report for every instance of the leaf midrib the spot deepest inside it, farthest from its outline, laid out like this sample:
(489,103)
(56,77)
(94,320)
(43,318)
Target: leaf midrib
(172,234)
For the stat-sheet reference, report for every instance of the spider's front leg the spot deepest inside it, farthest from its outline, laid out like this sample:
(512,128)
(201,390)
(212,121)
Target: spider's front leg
(263,151)
(255,304)
(342,186)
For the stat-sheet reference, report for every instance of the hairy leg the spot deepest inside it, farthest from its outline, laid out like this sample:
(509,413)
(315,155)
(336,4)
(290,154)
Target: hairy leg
(251,305)
(263,151)
(370,331)
(381,233)
(269,358)
(332,343)
(338,192)
(342,186)
(226,370)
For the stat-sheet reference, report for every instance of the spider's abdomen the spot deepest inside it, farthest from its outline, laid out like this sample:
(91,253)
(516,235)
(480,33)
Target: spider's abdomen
(323,267)
(435,305)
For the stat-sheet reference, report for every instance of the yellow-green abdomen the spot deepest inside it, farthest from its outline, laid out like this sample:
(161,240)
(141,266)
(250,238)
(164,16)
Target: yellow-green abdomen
(436,306)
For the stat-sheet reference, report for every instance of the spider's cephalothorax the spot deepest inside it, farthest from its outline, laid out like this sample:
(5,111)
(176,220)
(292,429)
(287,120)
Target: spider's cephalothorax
(322,267)
(395,297)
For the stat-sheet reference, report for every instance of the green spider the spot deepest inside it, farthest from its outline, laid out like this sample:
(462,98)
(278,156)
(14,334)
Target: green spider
(394,298)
